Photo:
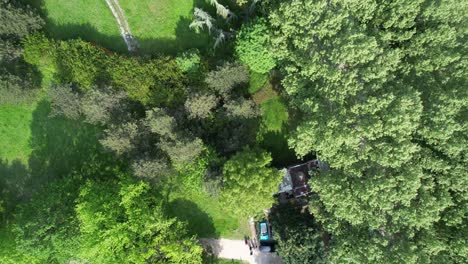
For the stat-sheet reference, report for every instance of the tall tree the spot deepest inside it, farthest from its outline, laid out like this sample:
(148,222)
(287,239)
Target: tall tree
(375,82)
(17,78)
(122,221)
(299,238)
(249,182)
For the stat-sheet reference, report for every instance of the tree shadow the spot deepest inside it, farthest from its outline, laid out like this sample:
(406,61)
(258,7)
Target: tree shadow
(185,38)
(60,146)
(14,177)
(277,144)
(198,222)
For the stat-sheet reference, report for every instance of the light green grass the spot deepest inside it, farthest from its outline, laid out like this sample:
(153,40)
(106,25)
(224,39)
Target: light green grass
(163,25)
(90,20)
(160,26)
(15,132)
(274,114)
(205,216)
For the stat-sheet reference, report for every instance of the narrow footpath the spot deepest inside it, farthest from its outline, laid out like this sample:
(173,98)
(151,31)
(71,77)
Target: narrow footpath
(119,15)
(236,249)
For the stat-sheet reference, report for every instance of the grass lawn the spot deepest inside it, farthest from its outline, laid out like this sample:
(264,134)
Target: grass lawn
(90,20)
(205,216)
(163,25)
(274,114)
(15,132)
(158,25)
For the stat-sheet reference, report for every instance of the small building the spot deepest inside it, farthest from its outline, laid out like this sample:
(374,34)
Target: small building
(295,181)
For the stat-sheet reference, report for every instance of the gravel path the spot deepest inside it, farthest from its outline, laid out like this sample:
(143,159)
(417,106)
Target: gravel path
(237,249)
(119,15)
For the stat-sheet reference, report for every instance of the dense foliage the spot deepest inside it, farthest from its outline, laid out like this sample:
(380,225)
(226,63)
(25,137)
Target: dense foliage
(380,89)
(252,47)
(17,79)
(249,183)
(300,239)
(131,159)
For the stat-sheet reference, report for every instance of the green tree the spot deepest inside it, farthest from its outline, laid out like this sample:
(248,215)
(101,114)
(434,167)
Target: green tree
(252,46)
(201,105)
(45,227)
(226,77)
(17,79)
(17,21)
(299,238)
(379,89)
(65,101)
(106,105)
(122,221)
(249,182)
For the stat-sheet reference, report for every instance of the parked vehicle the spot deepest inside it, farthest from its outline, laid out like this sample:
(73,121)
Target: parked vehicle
(264,231)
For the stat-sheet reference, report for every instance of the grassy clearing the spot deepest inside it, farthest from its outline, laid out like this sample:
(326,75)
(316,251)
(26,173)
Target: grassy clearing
(265,94)
(158,25)
(274,133)
(205,216)
(15,132)
(274,114)
(90,20)
(163,25)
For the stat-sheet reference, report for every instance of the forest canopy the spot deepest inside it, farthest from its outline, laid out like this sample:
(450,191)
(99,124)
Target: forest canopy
(108,156)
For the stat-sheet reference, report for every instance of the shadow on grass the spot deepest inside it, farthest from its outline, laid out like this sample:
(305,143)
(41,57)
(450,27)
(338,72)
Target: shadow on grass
(60,145)
(185,38)
(13,180)
(198,222)
(277,144)
(59,148)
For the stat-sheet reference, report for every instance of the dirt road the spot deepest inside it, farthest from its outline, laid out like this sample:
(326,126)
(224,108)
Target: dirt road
(236,249)
(119,15)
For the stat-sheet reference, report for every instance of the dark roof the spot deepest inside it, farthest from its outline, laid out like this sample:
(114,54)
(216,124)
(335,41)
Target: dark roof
(300,176)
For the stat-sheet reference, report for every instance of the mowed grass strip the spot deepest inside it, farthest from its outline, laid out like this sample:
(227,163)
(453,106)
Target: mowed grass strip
(206,216)
(163,25)
(15,132)
(90,20)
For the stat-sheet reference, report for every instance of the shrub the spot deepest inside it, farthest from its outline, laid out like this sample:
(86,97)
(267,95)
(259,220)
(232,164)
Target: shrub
(132,76)
(252,47)
(80,62)
(257,81)
(36,47)
(189,61)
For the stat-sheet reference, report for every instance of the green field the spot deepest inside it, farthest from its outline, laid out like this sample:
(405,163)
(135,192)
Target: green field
(206,217)
(90,20)
(15,132)
(158,25)
(163,25)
